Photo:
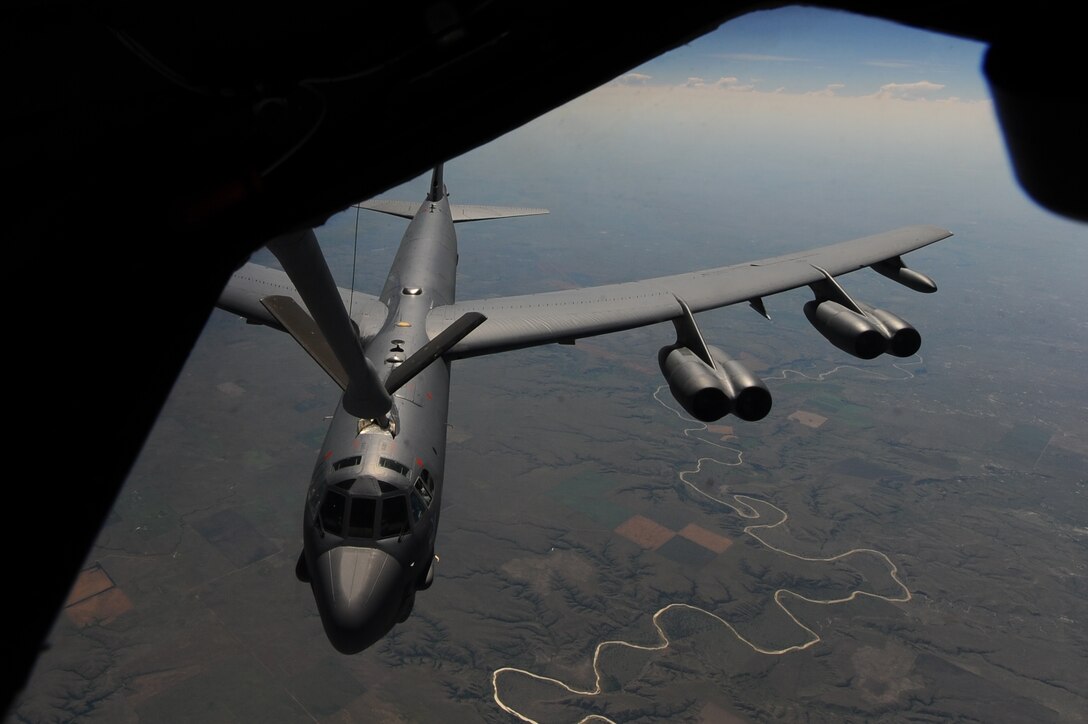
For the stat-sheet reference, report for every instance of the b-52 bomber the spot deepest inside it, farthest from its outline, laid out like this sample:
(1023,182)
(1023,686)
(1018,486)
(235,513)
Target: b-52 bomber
(370,516)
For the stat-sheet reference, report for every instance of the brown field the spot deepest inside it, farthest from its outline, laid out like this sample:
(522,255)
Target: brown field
(809,419)
(644,532)
(708,540)
(89,583)
(100,608)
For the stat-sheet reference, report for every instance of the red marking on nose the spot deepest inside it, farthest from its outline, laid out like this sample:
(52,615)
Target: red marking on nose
(430,396)
(328,454)
(419,462)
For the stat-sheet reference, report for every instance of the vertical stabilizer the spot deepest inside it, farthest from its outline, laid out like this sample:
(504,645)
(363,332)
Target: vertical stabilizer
(438,189)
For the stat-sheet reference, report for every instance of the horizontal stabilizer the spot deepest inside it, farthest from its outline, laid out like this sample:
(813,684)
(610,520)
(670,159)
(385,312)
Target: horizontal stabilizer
(304,330)
(404,209)
(466,212)
(458,212)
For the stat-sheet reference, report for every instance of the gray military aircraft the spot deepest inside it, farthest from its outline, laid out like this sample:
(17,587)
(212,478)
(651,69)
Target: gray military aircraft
(371,513)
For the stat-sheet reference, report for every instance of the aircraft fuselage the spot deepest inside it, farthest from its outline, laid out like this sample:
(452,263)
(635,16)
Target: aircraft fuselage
(372,509)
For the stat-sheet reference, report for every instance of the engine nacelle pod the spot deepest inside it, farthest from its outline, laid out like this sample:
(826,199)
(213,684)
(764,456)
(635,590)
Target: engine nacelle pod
(851,332)
(694,384)
(903,339)
(751,400)
(708,394)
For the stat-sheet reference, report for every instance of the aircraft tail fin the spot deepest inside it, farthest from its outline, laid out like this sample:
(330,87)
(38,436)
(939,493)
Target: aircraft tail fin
(438,189)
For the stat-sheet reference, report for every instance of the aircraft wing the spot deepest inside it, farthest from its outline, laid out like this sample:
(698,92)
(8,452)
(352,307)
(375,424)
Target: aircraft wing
(563,316)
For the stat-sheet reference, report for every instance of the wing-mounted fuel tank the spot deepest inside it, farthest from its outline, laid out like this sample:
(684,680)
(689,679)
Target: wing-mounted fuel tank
(857,328)
(897,271)
(706,382)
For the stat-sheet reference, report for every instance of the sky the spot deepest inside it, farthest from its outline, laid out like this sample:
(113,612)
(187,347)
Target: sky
(782,130)
(813,51)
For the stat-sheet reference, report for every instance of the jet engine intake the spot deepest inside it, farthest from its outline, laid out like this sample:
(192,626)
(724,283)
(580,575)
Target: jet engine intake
(709,394)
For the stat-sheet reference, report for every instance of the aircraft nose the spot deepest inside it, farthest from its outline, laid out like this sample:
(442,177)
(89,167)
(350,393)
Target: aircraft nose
(358,594)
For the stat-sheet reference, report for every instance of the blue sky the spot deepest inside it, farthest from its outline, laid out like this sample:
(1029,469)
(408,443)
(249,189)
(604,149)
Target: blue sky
(808,50)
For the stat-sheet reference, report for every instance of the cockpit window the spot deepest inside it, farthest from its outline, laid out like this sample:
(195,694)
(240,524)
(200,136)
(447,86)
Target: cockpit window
(423,490)
(394,516)
(347,462)
(394,465)
(361,519)
(418,507)
(365,515)
(332,512)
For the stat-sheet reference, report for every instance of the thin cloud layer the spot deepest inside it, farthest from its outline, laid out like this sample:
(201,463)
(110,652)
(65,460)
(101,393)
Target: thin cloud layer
(731,83)
(890,63)
(759,57)
(920,90)
(634,79)
(830,90)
